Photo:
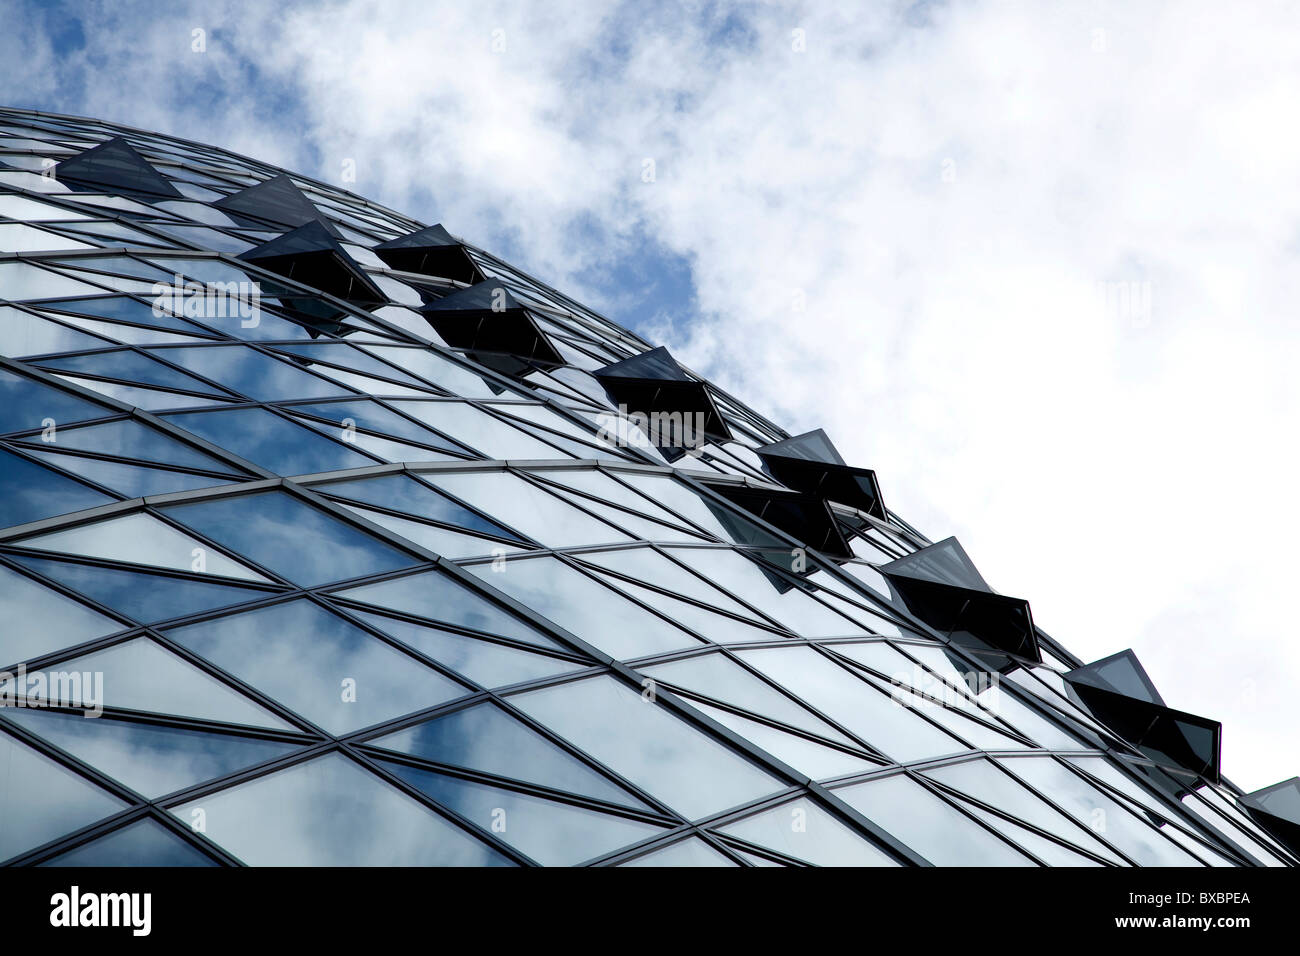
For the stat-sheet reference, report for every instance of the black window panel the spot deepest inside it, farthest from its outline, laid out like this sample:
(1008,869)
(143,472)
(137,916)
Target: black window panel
(276,202)
(810,462)
(805,518)
(115,167)
(432,251)
(310,255)
(486,318)
(1165,735)
(978,619)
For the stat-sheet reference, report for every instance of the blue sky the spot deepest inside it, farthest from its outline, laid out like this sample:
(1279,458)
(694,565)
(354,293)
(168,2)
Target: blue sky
(1036,266)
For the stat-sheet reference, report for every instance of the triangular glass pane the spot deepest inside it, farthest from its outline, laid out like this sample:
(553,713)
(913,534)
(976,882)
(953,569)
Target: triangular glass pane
(373,417)
(713,627)
(404,493)
(389,450)
(27,404)
(120,308)
(721,678)
(141,675)
(449,544)
(142,539)
(150,399)
(291,537)
(691,852)
(143,597)
(250,372)
(484,662)
(63,621)
(126,334)
(553,834)
(1050,852)
(131,481)
(805,831)
(143,843)
(585,607)
(30,492)
(319,664)
(22,334)
(486,738)
(916,817)
(437,597)
(133,367)
(815,760)
(275,443)
(278,820)
(151,759)
(131,439)
(43,799)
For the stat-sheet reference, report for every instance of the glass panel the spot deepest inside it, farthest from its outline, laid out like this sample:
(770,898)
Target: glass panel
(275,443)
(22,333)
(1095,809)
(318,664)
(404,493)
(290,537)
(371,416)
(553,834)
(805,831)
(251,372)
(716,676)
(689,852)
(985,781)
(1052,854)
(477,429)
(484,737)
(28,404)
(127,334)
(140,675)
(522,505)
(812,759)
(150,759)
(887,726)
(41,800)
(646,744)
(143,843)
(140,596)
(713,627)
(484,662)
(141,539)
(434,368)
(29,492)
(651,567)
(130,481)
(353,359)
(585,607)
(132,367)
(436,596)
(742,577)
(63,622)
(916,817)
(127,438)
(150,399)
(278,820)
(21,280)
(448,544)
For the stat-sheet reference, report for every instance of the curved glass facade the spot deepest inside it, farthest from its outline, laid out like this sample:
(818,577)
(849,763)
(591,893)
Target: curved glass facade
(328,538)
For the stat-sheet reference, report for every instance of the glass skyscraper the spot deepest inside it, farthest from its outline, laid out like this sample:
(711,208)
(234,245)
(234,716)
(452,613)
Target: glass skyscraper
(329,538)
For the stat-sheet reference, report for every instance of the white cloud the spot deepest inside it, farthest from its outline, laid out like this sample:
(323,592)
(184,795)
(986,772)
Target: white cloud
(976,201)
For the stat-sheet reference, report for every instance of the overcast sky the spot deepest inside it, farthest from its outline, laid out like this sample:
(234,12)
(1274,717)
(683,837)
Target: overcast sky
(1035,264)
